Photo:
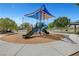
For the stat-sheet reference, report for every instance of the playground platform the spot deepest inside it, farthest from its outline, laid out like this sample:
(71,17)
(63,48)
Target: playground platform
(56,48)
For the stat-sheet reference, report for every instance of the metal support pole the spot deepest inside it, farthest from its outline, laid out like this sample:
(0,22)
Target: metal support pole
(40,22)
(75,28)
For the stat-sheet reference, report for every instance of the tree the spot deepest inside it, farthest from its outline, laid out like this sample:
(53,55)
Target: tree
(78,21)
(77,4)
(61,22)
(7,24)
(51,25)
(24,25)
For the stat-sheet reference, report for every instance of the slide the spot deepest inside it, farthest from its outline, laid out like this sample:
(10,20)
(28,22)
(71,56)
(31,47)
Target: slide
(45,31)
(35,29)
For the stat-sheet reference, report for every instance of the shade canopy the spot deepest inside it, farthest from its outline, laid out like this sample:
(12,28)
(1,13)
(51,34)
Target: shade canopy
(75,23)
(40,14)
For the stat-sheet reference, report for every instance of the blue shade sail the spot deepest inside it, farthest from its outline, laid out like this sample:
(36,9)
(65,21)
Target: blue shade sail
(40,14)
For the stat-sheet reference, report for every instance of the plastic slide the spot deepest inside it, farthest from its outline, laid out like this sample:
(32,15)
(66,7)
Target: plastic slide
(36,28)
(44,29)
(31,32)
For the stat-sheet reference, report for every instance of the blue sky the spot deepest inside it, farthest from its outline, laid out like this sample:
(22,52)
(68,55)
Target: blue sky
(16,11)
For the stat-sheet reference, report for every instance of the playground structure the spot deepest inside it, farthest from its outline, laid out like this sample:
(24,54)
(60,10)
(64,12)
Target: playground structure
(36,34)
(40,14)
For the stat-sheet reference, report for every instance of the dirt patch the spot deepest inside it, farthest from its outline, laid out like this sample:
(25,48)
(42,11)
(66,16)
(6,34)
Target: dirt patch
(36,38)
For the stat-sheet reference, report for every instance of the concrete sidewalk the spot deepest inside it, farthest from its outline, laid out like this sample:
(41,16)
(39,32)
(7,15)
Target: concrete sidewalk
(57,48)
(48,49)
(75,38)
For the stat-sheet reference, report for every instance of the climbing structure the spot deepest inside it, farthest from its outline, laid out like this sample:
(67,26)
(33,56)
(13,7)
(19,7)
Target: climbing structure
(40,14)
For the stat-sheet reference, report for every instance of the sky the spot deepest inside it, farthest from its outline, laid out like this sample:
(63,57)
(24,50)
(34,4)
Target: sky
(16,11)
